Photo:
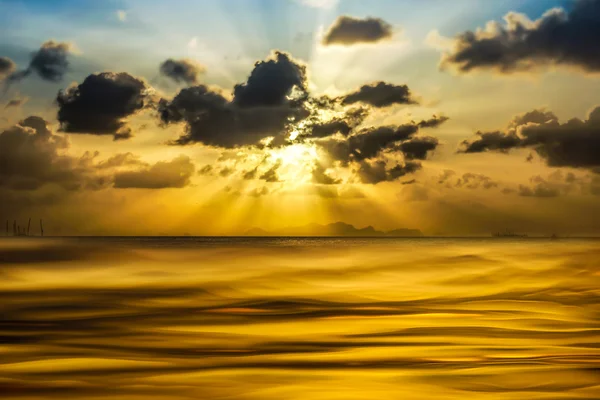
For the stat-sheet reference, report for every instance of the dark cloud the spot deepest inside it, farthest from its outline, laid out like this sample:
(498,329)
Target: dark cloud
(270,82)
(206,170)
(533,117)
(164,174)
(7,67)
(538,190)
(271,174)
(315,127)
(320,176)
(330,128)
(348,31)
(377,171)
(101,104)
(575,143)
(273,106)
(491,141)
(380,94)
(264,106)
(250,175)
(227,171)
(16,102)
(470,180)
(369,143)
(50,62)
(32,156)
(433,122)
(418,148)
(559,37)
(184,70)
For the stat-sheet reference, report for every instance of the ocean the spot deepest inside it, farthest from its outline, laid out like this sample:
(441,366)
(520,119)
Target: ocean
(299,318)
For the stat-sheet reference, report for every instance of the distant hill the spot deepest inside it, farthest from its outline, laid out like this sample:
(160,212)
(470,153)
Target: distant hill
(335,229)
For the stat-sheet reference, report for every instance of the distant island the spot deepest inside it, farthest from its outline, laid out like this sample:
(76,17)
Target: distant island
(335,229)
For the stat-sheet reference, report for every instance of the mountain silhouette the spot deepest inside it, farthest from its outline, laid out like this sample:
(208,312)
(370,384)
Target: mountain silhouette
(334,229)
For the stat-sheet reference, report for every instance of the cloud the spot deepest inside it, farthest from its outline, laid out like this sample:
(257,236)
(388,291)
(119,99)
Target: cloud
(538,190)
(559,183)
(206,170)
(120,160)
(227,171)
(445,176)
(470,180)
(251,174)
(559,37)
(184,70)
(575,143)
(433,122)
(274,108)
(32,157)
(367,143)
(164,174)
(271,81)
(7,67)
(101,104)
(377,171)
(418,148)
(348,31)
(271,175)
(320,176)
(16,102)
(314,127)
(380,94)
(367,150)
(50,62)
(264,106)
(330,128)
(491,141)
(370,142)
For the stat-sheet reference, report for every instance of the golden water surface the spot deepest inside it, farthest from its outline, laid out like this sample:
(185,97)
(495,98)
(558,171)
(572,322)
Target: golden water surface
(299,319)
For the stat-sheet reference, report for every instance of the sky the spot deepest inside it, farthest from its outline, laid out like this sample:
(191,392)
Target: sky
(462,117)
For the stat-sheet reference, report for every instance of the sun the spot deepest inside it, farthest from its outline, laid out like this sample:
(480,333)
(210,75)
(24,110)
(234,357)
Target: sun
(296,154)
(296,163)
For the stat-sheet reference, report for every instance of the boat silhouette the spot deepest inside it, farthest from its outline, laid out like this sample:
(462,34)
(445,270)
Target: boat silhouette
(509,234)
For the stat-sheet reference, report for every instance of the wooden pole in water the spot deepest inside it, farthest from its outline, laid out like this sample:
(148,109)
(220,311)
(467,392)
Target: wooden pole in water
(28,226)
(6,227)
(15,228)
(41,228)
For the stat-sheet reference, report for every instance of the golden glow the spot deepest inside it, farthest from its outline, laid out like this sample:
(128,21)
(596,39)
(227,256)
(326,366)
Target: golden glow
(296,154)
(413,319)
(297,161)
